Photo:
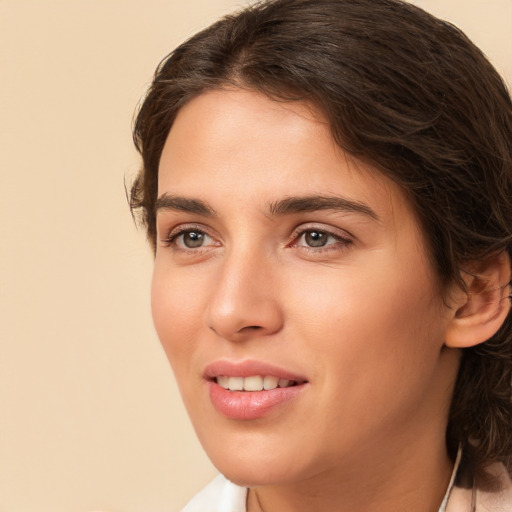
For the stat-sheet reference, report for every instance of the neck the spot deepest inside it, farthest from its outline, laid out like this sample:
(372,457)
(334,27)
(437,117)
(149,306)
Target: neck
(398,482)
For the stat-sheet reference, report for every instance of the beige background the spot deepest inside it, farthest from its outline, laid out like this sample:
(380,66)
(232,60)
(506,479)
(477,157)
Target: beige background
(90,418)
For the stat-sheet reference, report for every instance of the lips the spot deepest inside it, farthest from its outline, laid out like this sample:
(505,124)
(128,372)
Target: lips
(251,389)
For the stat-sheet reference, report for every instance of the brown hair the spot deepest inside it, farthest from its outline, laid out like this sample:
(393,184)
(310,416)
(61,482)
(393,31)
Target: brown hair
(408,93)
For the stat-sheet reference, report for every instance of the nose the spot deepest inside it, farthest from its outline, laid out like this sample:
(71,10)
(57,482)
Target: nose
(245,301)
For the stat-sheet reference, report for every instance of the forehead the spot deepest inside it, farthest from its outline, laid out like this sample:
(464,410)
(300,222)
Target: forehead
(237,124)
(240,147)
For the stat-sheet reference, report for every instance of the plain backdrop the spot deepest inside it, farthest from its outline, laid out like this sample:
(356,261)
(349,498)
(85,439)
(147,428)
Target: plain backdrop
(90,418)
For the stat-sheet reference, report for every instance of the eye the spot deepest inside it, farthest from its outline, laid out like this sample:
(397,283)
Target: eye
(192,239)
(320,239)
(189,238)
(315,238)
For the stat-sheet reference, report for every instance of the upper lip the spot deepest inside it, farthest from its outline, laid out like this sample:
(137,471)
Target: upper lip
(248,368)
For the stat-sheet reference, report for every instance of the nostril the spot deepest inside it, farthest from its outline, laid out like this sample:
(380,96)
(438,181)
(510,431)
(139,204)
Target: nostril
(243,329)
(249,328)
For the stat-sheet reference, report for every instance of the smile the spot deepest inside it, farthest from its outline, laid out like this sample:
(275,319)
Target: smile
(253,383)
(250,389)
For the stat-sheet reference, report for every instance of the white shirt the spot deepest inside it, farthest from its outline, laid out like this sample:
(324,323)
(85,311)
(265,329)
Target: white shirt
(220,495)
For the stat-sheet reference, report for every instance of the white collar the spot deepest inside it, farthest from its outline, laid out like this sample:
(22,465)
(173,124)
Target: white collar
(444,503)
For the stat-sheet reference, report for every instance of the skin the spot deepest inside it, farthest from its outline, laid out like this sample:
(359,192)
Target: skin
(361,318)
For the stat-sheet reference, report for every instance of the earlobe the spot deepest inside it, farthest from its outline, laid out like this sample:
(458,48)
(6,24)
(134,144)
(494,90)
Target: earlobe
(480,311)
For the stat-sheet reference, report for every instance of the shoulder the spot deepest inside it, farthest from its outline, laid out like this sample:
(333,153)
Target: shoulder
(501,499)
(478,500)
(220,495)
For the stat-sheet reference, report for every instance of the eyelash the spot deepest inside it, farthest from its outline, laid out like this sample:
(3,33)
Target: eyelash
(172,237)
(342,242)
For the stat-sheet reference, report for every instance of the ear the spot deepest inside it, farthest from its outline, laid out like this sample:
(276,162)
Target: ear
(480,310)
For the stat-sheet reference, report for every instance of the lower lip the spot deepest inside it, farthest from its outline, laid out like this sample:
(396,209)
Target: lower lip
(250,405)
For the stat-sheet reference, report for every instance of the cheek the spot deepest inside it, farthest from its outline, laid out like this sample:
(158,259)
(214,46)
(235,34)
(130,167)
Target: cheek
(176,313)
(378,316)
(365,336)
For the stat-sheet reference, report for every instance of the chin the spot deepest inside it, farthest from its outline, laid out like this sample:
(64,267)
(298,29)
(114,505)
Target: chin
(259,469)
(248,477)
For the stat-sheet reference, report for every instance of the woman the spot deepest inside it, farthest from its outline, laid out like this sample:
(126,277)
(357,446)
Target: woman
(326,185)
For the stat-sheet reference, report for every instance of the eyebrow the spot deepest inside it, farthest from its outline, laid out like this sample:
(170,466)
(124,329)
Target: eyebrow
(286,206)
(183,204)
(314,203)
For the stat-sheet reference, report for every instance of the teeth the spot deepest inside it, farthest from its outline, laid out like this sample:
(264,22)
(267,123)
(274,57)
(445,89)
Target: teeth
(270,382)
(236,383)
(253,383)
(223,381)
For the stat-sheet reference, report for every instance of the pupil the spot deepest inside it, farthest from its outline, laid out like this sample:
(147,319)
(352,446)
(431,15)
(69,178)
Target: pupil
(193,239)
(316,239)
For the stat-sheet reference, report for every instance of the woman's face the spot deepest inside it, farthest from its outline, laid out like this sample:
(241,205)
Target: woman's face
(282,261)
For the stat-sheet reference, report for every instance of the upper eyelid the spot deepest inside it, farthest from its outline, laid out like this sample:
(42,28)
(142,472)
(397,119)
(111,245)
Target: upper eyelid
(183,228)
(330,230)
